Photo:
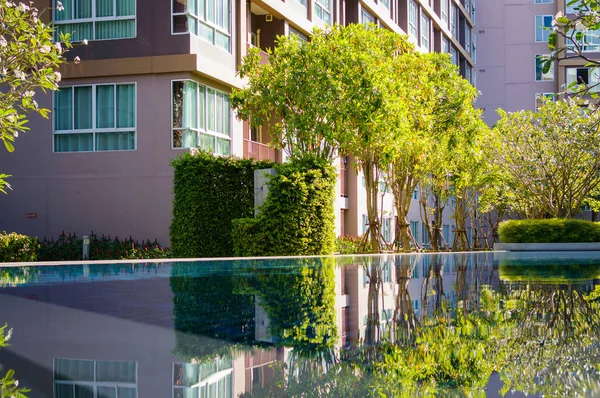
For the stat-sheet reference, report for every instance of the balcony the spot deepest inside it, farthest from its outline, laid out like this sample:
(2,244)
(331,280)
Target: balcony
(258,151)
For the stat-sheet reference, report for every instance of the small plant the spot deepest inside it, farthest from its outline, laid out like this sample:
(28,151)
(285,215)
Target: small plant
(9,387)
(347,244)
(15,247)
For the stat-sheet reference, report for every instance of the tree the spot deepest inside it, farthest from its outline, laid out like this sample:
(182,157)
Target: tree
(549,159)
(29,57)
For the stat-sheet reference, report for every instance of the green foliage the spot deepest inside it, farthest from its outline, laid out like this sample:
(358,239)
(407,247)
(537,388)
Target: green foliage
(16,248)
(9,387)
(29,57)
(297,217)
(209,192)
(69,248)
(549,159)
(549,231)
(348,244)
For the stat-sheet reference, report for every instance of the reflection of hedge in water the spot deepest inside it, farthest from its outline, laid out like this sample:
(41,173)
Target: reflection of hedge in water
(211,318)
(550,273)
(300,303)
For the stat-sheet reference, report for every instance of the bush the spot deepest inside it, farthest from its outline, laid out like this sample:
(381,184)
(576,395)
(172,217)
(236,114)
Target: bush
(69,248)
(549,231)
(348,244)
(209,192)
(17,248)
(297,217)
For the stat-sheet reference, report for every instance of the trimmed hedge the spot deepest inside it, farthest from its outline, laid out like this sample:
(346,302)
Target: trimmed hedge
(17,248)
(208,193)
(297,217)
(549,231)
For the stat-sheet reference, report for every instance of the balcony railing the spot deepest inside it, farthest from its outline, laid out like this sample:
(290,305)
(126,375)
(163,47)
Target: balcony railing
(258,151)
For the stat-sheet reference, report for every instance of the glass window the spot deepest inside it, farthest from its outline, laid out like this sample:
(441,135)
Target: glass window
(297,33)
(111,126)
(444,45)
(590,41)
(468,39)
(385,3)
(468,73)
(425,234)
(208,19)
(587,76)
(414,228)
(201,118)
(446,233)
(387,229)
(544,1)
(540,76)
(323,10)
(467,4)
(571,9)
(453,55)
(95,19)
(413,20)
(365,223)
(454,20)
(366,18)
(425,31)
(539,99)
(541,23)
(473,46)
(444,11)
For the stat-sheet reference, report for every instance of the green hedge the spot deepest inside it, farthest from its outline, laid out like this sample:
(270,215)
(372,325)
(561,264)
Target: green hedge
(549,231)
(297,217)
(209,192)
(17,248)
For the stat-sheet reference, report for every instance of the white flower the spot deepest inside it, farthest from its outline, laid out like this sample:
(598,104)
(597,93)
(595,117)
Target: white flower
(45,49)
(57,76)
(59,6)
(84,42)
(58,46)
(11,118)
(10,4)
(4,72)
(22,7)
(3,42)
(29,93)
(194,151)
(76,60)
(16,134)
(20,75)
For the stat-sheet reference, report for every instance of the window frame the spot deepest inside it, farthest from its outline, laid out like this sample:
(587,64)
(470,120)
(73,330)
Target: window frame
(204,130)
(93,20)
(468,34)
(541,80)
(425,31)
(413,25)
(365,13)
(453,19)
(545,94)
(445,12)
(95,384)
(542,27)
(544,1)
(328,11)
(211,25)
(94,129)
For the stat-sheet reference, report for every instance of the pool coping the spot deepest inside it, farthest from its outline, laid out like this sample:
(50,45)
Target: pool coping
(543,247)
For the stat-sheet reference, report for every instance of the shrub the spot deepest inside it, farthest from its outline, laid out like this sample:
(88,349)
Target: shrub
(69,248)
(297,217)
(348,244)
(209,192)
(16,248)
(549,231)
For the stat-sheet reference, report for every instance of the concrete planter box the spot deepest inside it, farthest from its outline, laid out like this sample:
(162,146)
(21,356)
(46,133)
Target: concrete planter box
(547,247)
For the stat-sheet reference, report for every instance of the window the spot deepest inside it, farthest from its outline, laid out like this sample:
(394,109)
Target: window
(201,118)
(540,76)
(444,45)
(587,76)
(453,56)
(297,33)
(473,11)
(323,10)
(365,223)
(446,233)
(208,19)
(544,1)
(94,379)
(387,277)
(95,20)
(208,379)
(542,22)
(468,39)
(425,234)
(444,11)
(366,18)
(571,9)
(454,20)
(473,50)
(414,228)
(256,134)
(590,41)
(413,20)
(425,31)
(97,117)
(467,4)
(415,194)
(540,97)
(387,229)
(385,3)
(468,73)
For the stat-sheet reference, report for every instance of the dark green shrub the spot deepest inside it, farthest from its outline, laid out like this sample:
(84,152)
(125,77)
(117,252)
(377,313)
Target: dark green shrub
(297,217)
(549,231)
(16,248)
(209,192)
(69,248)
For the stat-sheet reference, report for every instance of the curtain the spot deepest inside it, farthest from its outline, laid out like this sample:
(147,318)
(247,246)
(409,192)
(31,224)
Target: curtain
(83,107)
(190,105)
(84,391)
(63,109)
(120,29)
(223,146)
(105,106)
(210,111)
(64,391)
(125,7)
(115,141)
(73,369)
(202,107)
(104,8)
(83,9)
(226,116)
(210,10)
(127,392)
(189,139)
(126,105)
(116,371)
(219,113)
(207,143)
(65,14)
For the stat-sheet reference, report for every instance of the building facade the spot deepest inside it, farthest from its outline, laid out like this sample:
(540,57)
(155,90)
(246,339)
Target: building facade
(154,81)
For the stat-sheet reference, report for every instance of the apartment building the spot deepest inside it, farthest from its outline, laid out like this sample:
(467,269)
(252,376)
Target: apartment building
(153,81)
(513,37)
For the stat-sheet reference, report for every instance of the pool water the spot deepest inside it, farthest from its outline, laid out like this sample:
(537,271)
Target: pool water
(462,324)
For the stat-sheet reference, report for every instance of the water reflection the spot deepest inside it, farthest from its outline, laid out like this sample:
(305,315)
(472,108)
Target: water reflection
(449,324)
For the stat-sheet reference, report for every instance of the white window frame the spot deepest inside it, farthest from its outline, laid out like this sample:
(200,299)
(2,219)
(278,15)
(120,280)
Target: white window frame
(209,24)
(538,95)
(592,72)
(214,378)
(539,24)
(95,130)
(385,4)
(425,31)
(453,19)
(204,130)
(95,384)
(544,1)
(550,72)
(327,11)
(444,12)
(413,25)
(95,19)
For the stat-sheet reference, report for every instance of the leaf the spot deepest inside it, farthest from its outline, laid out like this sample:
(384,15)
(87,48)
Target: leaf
(9,146)
(552,41)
